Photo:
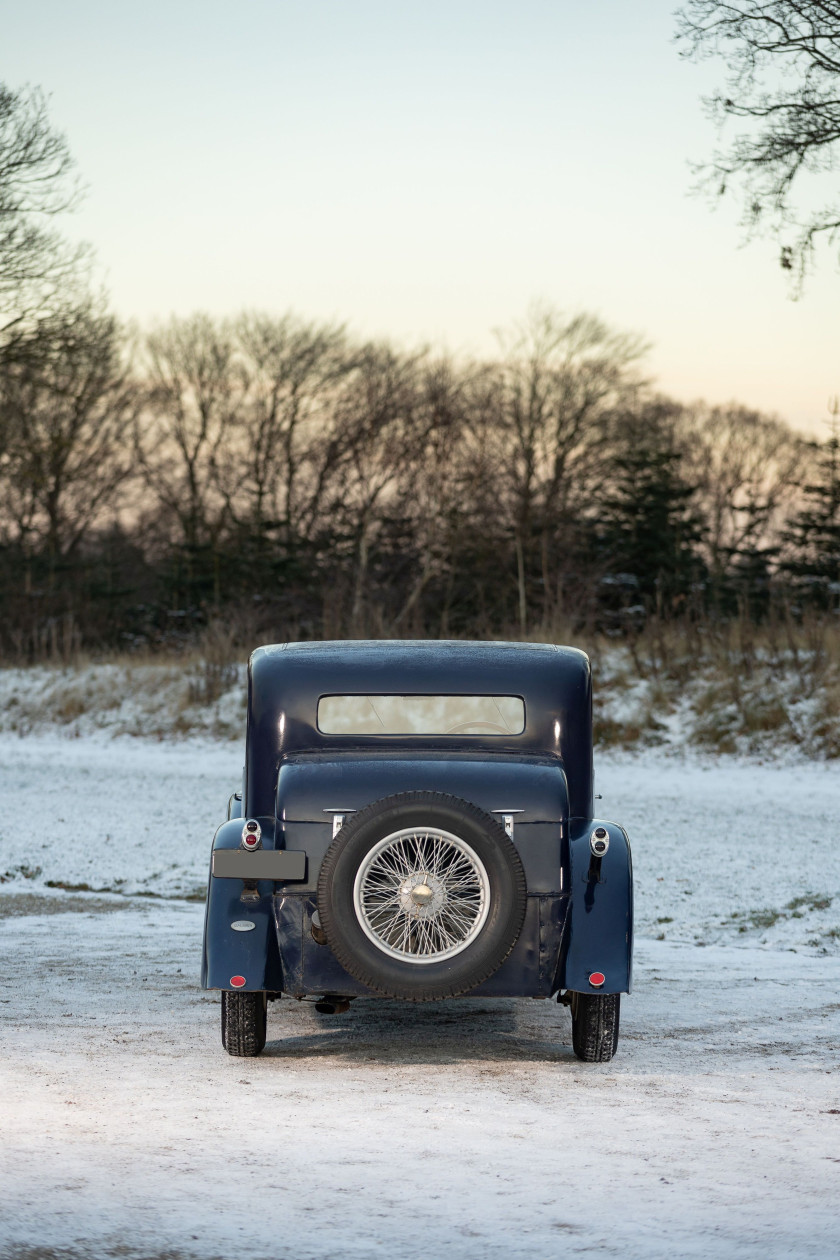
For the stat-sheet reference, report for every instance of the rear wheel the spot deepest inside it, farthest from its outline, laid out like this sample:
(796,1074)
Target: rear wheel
(595,1026)
(243,1023)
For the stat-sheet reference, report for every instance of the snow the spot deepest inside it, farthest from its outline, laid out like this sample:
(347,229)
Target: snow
(464,1128)
(123,815)
(723,849)
(162,700)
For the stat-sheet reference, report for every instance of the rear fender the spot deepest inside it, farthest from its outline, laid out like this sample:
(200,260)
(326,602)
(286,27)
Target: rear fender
(599,928)
(235,950)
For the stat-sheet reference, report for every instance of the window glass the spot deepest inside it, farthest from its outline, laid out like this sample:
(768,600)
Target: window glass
(421,715)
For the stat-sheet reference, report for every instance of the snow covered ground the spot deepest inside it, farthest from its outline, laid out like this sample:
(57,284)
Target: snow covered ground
(465,1129)
(724,850)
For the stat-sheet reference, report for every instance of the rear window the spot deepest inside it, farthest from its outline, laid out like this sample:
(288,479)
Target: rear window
(421,715)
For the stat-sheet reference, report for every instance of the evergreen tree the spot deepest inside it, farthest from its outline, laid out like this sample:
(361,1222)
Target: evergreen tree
(812,539)
(648,530)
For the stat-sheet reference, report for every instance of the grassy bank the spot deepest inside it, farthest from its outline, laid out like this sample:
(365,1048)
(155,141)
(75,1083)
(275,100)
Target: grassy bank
(724,689)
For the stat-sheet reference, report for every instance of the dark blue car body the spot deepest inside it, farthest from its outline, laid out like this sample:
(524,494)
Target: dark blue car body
(578,917)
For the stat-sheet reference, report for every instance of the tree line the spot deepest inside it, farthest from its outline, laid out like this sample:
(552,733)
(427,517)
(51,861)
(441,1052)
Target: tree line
(288,479)
(295,481)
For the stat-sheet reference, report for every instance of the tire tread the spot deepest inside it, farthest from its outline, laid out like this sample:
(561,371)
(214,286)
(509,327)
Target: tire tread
(243,1023)
(595,1020)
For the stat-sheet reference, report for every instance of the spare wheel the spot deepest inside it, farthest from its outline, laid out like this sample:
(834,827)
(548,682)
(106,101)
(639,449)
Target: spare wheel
(421,896)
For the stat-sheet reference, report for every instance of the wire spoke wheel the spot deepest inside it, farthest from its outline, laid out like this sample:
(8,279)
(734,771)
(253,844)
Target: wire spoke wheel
(421,895)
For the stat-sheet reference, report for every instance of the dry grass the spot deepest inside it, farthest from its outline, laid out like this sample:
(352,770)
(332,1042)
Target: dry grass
(728,688)
(153,699)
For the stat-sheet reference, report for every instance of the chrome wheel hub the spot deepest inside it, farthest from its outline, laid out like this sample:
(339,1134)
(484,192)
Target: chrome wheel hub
(422,895)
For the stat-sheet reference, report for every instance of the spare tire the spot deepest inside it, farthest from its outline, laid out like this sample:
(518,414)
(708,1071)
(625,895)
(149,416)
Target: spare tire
(421,896)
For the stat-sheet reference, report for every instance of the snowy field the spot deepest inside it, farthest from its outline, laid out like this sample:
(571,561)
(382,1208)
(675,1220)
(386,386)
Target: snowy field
(465,1129)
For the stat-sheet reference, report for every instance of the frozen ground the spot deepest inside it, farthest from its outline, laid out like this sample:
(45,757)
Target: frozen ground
(465,1129)
(724,850)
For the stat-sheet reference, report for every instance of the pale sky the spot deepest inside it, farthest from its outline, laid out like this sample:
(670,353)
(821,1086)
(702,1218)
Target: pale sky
(422,170)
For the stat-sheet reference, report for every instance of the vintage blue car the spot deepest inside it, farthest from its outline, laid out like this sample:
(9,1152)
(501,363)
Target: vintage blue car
(415,822)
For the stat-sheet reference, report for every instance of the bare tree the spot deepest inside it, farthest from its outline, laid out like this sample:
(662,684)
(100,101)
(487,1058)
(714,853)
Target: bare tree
(67,405)
(195,391)
(746,467)
(438,488)
(560,380)
(275,471)
(379,438)
(36,184)
(783,84)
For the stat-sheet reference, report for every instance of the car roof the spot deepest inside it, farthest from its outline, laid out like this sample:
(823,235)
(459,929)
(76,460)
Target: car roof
(452,665)
(287,680)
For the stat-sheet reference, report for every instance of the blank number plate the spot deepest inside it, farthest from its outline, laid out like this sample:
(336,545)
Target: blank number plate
(280,864)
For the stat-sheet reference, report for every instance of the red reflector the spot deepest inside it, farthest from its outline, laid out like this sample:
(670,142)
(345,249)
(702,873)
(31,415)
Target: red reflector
(237,981)
(597,979)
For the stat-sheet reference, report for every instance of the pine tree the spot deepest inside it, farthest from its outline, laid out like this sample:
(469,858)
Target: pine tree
(648,529)
(812,540)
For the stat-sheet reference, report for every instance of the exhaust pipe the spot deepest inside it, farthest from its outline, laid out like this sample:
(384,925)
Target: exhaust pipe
(319,936)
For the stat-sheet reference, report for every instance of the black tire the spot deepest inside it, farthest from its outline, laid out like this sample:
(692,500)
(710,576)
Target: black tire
(243,1023)
(403,978)
(595,1025)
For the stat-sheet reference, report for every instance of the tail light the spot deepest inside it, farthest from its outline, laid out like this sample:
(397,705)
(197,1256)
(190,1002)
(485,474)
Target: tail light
(599,841)
(251,834)
(597,979)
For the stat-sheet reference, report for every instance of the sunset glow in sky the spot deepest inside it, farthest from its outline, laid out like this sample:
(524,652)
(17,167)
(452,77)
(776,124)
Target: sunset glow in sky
(422,170)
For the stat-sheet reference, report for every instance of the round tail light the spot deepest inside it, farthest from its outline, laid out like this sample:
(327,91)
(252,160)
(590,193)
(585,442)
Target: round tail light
(596,979)
(599,841)
(251,834)
(237,982)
